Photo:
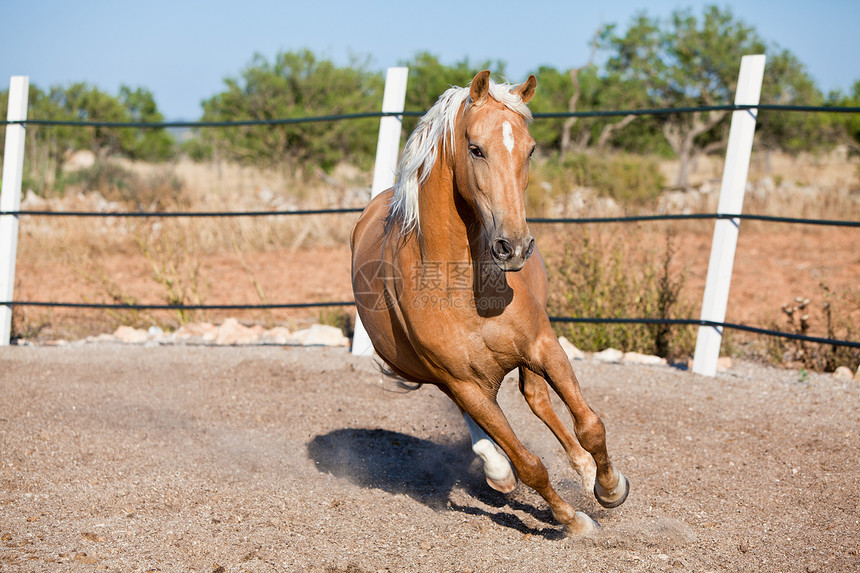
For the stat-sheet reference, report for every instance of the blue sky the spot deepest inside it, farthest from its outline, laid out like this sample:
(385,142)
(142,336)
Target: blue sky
(182,50)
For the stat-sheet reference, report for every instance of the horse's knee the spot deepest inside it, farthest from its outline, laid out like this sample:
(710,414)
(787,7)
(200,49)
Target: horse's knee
(590,431)
(532,472)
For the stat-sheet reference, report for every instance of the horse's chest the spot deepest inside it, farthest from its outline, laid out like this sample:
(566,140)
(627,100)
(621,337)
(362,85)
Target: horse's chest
(468,349)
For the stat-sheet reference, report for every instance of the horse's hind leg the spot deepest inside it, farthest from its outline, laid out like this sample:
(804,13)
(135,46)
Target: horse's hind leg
(497,468)
(485,411)
(534,389)
(610,487)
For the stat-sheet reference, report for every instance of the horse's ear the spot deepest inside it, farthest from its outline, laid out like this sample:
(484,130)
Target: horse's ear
(526,90)
(480,87)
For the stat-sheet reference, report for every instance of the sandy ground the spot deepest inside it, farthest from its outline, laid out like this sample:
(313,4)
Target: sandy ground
(131,458)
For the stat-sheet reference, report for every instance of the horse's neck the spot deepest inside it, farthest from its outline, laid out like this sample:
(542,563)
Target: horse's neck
(452,241)
(449,231)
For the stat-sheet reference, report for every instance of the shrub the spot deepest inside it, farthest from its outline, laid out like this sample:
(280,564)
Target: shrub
(836,314)
(115,182)
(631,180)
(603,277)
(626,178)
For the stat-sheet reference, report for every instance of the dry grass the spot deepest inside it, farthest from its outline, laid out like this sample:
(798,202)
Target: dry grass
(212,187)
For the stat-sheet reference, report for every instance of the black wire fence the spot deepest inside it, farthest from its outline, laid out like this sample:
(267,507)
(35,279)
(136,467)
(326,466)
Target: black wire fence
(380,114)
(537,220)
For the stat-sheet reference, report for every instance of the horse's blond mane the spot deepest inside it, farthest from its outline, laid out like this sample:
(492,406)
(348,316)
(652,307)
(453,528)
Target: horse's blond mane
(422,147)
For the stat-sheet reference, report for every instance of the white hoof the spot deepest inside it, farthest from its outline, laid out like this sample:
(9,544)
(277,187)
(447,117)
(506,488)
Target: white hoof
(497,468)
(505,485)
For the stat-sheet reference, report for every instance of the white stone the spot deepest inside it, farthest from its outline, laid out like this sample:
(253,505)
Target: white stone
(299,336)
(33,202)
(278,335)
(231,332)
(637,358)
(130,335)
(609,355)
(102,338)
(843,373)
(205,330)
(724,363)
(573,353)
(323,335)
(155,332)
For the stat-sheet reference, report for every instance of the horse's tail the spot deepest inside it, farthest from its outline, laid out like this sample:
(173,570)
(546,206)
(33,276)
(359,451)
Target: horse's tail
(404,383)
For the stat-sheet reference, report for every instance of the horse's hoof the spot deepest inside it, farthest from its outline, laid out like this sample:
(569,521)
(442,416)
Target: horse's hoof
(505,485)
(581,525)
(614,498)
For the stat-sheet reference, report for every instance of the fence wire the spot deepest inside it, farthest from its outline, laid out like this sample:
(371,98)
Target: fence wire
(379,114)
(347,210)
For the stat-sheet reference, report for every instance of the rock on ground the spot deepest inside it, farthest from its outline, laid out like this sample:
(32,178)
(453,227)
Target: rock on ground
(229,333)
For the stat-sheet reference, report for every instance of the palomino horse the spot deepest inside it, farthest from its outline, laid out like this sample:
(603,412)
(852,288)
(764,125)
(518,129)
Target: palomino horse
(452,290)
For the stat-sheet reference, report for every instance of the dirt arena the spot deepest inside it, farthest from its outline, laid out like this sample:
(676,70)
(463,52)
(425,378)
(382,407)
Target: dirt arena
(177,458)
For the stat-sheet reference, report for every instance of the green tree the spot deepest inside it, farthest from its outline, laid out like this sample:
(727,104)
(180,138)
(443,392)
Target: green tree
(690,62)
(786,82)
(48,146)
(147,143)
(82,102)
(586,89)
(555,93)
(295,84)
(851,122)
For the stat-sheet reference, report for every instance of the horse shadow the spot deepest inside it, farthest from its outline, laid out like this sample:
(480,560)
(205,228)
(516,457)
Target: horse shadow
(423,470)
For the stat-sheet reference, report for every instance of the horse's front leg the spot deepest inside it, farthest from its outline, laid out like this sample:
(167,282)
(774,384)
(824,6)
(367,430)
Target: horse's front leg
(534,389)
(610,487)
(487,414)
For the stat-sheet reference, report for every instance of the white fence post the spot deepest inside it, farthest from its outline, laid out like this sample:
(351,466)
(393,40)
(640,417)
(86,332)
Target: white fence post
(731,202)
(10,198)
(387,150)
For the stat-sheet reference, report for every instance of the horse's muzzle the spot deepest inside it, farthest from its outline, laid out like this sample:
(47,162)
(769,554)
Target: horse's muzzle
(512,255)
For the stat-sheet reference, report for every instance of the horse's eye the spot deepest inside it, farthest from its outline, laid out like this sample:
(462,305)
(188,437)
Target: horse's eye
(476,151)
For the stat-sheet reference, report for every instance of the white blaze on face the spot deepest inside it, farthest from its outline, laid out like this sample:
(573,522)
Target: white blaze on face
(508,136)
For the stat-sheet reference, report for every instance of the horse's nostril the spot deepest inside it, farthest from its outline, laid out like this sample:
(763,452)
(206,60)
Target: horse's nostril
(531,249)
(502,249)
